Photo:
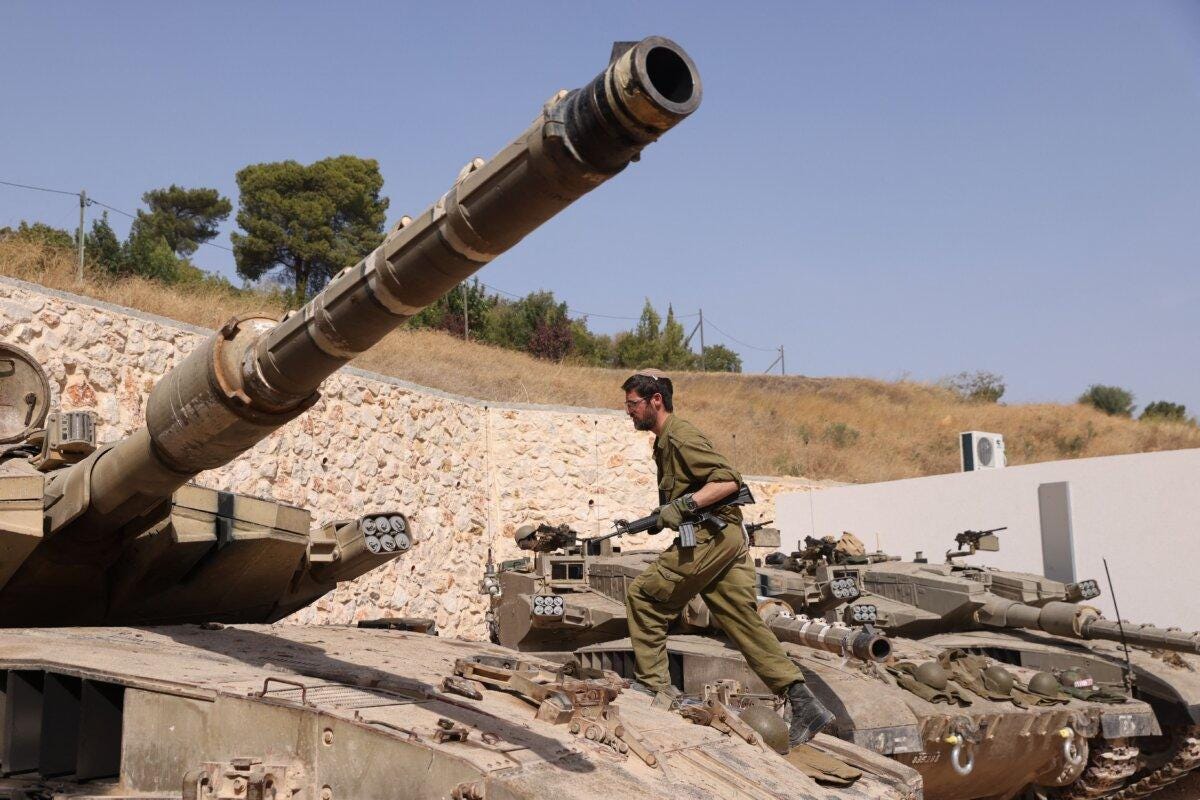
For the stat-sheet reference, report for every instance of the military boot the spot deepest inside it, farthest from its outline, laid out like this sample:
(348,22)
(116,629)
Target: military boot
(667,698)
(809,716)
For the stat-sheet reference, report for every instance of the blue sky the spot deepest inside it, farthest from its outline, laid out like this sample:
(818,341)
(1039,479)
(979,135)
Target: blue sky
(884,189)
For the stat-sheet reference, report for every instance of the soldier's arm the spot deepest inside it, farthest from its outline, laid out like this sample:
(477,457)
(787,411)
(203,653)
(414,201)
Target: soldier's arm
(708,467)
(713,491)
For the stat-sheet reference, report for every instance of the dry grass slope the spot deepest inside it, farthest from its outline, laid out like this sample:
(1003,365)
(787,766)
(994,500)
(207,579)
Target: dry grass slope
(845,429)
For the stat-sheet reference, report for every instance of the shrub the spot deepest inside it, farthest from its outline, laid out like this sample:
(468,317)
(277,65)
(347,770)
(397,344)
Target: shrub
(1112,400)
(551,339)
(840,435)
(719,358)
(1165,411)
(976,387)
(42,233)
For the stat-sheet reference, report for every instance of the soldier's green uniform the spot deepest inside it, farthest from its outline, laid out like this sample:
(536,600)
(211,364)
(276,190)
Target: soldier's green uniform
(718,568)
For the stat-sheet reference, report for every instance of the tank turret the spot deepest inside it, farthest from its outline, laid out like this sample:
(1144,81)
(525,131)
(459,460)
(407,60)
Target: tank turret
(915,598)
(73,532)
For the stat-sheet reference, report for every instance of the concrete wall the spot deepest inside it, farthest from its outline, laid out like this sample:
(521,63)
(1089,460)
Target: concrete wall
(1141,512)
(468,473)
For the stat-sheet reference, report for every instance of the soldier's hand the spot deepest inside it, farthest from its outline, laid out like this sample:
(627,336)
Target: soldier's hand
(671,515)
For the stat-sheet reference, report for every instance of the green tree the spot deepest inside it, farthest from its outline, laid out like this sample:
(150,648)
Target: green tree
(719,358)
(673,352)
(453,313)
(640,348)
(513,324)
(592,349)
(103,247)
(1112,400)
(184,218)
(1165,411)
(146,253)
(310,221)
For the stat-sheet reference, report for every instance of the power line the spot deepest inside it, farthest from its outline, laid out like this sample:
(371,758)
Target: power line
(575,311)
(699,314)
(133,216)
(38,188)
(739,341)
(94,201)
(111,208)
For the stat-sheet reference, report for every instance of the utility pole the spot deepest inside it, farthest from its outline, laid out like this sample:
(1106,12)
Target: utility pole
(688,341)
(466,314)
(780,361)
(82,205)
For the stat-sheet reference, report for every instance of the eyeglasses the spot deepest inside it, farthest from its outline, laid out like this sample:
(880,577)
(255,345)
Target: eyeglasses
(630,405)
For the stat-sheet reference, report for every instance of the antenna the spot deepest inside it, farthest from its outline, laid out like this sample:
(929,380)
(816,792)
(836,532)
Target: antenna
(1129,681)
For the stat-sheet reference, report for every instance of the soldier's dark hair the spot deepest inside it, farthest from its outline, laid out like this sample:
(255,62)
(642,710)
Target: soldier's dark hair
(646,386)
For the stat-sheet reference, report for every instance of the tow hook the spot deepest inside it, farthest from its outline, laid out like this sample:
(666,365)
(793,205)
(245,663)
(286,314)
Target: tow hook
(960,745)
(1073,753)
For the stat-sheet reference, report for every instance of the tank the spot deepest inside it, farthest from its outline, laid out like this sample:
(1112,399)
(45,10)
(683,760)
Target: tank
(1022,619)
(135,661)
(202,556)
(565,602)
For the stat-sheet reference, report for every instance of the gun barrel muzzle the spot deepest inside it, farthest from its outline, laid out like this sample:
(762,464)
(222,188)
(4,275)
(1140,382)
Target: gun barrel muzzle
(864,644)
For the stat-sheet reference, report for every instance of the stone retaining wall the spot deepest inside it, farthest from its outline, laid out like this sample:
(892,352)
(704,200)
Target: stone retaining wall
(467,472)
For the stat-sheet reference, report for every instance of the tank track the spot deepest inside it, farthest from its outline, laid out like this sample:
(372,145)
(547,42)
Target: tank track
(1182,757)
(1109,766)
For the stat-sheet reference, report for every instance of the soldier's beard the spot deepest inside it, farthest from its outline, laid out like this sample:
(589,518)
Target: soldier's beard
(643,422)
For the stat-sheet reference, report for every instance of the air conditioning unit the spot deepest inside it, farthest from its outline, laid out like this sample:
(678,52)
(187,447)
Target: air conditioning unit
(981,450)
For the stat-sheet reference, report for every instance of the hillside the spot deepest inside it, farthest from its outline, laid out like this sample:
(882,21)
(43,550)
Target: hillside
(845,429)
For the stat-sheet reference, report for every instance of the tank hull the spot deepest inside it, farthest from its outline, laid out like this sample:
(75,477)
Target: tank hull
(1010,754)
(1035,622)
(335,712)
(1021,746)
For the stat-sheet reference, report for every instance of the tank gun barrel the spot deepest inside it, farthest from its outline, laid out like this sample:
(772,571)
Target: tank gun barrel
(865,644)
(1083,622)
(256,374)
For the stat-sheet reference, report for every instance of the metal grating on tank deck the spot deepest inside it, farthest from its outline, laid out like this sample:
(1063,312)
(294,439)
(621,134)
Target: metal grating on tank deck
(336,695)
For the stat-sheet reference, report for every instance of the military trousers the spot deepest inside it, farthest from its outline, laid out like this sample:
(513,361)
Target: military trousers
(720,570)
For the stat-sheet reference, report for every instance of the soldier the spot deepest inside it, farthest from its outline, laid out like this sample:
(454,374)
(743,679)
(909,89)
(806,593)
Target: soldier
(718,568)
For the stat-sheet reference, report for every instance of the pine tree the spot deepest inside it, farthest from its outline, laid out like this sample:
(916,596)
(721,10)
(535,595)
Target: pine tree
(310,221)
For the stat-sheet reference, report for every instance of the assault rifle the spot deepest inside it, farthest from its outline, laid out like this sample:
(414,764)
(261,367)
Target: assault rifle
(687,530)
